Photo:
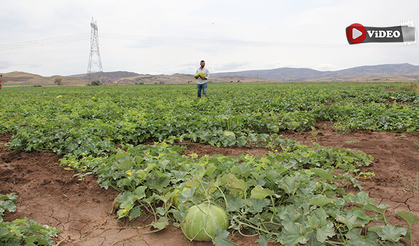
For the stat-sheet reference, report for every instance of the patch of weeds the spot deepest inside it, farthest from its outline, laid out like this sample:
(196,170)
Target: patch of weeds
(414,86)
(366,175)
(352,141)
(410,185)
(314,134)
(341,128)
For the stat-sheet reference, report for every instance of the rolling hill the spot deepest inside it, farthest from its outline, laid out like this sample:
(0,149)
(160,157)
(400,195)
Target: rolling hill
(386,72)
(400,72)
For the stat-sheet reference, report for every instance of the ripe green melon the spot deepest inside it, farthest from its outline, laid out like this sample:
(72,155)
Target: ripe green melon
(200,223)
(196,76)
(229,133)
(202,75)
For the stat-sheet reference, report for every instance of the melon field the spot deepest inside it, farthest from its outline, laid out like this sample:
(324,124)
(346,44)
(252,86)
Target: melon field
(289,163)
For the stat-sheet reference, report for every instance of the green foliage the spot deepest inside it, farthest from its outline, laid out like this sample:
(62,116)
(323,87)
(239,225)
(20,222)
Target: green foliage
(221,238)
(292,196)
(286,200)
(22,231)
(7,203)
(75,120)
(58,81)
(410,219)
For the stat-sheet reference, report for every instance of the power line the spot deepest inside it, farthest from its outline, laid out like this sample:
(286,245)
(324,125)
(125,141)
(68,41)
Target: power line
(41,42)
(214,41)
(162,39)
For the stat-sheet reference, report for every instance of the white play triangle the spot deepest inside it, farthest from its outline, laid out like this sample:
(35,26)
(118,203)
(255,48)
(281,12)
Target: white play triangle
(356,33)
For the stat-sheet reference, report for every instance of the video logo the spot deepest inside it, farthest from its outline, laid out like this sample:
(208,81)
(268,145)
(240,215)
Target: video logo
(357,33)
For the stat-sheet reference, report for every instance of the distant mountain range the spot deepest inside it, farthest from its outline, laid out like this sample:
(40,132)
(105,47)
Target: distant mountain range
(375,72)
(387,72)
(111,75)
(403,71)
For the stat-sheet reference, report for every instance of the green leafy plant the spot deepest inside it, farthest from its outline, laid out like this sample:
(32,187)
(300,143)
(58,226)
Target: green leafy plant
(410,219)
(22,231)
(7,203)
(277,196)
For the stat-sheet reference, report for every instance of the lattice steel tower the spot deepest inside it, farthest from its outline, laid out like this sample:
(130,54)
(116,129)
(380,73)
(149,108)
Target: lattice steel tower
(94,70)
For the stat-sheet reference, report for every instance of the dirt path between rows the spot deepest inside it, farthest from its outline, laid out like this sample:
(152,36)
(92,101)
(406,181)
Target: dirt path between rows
(51,195)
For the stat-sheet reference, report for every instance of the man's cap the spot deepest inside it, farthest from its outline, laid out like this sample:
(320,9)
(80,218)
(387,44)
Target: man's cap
(202,61)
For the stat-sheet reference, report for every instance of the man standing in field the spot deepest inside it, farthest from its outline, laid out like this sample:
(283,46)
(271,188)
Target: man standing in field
(201,83)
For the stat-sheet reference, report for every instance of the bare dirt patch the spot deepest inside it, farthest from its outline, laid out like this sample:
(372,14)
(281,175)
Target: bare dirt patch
(53,196)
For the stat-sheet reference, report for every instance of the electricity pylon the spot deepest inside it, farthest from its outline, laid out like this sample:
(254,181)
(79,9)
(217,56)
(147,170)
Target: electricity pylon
(94,70)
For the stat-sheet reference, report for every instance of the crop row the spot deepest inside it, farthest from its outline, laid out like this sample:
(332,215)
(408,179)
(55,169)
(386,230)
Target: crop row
(292,196)
(73,121)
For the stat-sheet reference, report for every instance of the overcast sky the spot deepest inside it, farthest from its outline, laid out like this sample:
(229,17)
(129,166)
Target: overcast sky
(48,37)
